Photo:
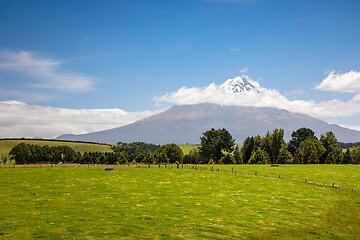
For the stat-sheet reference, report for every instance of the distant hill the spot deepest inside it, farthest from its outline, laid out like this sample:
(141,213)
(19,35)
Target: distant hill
(185,124)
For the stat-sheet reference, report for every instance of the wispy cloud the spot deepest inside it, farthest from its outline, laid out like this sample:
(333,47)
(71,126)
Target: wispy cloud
(44,71)
(262,98)
(244,70)
(346,82)
(18,119)
(296,92)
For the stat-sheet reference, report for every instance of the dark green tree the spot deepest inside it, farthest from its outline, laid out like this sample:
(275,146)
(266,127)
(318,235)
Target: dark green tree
(355,154)
(266,145)
(331,145)
(237,157)
(277,142)
(298,157)
(330,159)
(299,136)
(247,149)
(311,146)
(214,142)
(347,158)
(169,153)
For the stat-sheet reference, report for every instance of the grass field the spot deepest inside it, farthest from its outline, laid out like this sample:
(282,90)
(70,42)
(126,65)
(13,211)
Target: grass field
(7,144)
(186,148)
(141,203)
(346,176)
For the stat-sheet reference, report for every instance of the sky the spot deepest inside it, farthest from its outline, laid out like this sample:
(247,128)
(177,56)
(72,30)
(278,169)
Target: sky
(83,66)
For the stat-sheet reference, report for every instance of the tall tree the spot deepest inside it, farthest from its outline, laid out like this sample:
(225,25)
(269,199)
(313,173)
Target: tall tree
(277,143)
(266,145)
(347,158)
(299,136)
(331,145)
(214,142)
(237,157)
(247,149)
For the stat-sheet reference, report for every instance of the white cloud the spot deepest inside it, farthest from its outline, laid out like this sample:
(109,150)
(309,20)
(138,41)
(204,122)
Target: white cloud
(18,119)
(244,70)
(347,82)
(262,98)
(45,71)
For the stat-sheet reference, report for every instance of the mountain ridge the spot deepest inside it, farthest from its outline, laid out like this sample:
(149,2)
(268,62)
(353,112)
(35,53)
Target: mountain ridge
(185,124)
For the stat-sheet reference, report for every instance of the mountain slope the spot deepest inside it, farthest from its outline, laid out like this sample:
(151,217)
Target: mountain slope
(186,123)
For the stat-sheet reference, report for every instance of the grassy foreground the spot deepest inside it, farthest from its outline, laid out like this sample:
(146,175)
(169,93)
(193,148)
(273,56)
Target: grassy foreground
(7,144)
(140,203)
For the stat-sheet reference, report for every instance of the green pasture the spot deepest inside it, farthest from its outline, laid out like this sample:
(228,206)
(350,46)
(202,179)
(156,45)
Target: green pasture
(153,203)
(186,148)
(7,144)
(345,176)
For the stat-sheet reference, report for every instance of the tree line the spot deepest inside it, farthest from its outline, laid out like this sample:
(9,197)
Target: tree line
(217,147)
(304,148)
(24,153)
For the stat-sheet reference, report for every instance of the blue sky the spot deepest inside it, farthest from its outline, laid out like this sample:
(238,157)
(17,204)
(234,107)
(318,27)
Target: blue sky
(83,55)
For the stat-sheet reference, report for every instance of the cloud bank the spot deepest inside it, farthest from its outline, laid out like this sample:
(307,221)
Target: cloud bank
(45,71)
(347,82)
(271,98)
(18,119)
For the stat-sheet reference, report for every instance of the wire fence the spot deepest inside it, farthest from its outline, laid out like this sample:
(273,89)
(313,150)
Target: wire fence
(212,168)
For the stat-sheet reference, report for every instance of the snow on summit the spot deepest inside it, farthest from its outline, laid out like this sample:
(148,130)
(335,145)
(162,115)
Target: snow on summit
(239,84)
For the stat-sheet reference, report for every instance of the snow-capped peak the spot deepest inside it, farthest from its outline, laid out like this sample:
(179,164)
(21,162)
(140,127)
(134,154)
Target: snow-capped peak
(239,84)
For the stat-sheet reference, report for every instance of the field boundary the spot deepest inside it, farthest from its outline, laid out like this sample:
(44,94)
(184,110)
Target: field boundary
(201,168)
(179,167)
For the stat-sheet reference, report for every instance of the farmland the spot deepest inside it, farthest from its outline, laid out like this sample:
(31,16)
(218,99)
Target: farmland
(143,203)
(7,144)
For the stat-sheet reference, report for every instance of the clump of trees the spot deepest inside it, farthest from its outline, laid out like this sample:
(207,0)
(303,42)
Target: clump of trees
(217,147)
(134,147)
(32,154)
(303,148)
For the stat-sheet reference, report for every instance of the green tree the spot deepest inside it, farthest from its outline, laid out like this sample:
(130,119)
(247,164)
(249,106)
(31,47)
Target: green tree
(149,158)
(247,149)
(227,159)
(299,136)
(309,147)
(355,154)
(310,155)
(214,142)
(259,157)
(169,153)
(347,158)
(237,157)
(277,143)
(266,145)
(331,145)
(330,158)
(298,157)
(285,157)
(21,153)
